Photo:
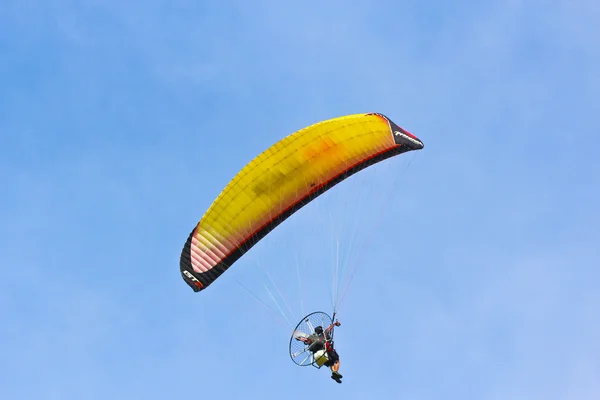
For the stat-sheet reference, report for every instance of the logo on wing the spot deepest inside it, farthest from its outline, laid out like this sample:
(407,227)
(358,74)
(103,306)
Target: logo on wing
(401,135)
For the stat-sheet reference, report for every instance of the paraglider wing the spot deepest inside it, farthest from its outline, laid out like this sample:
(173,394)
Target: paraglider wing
(280,181)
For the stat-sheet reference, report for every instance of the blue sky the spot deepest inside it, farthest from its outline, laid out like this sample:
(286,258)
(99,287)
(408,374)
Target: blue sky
(120,122)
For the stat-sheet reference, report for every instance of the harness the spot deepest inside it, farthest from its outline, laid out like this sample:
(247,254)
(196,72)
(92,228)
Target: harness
(328,336)
(329,346)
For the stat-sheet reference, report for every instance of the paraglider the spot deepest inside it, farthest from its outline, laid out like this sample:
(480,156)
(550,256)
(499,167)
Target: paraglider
(280,181)
(276,184)
(318,347)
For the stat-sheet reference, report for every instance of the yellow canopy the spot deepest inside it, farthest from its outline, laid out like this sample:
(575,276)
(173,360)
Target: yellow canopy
(280,181)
